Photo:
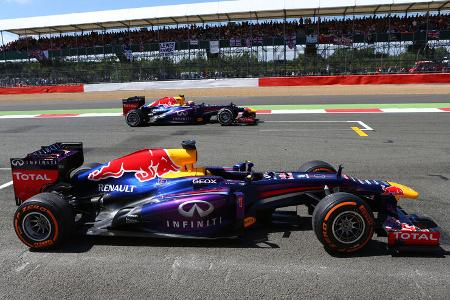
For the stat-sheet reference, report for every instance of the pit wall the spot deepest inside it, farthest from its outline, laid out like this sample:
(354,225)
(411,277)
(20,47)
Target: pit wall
(236,83)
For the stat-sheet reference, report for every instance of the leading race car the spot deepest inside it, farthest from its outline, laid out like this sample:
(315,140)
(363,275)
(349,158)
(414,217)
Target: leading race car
(161,193)
(176,110)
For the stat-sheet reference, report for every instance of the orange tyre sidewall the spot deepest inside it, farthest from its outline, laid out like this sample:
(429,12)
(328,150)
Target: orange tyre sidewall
(55,230)
(327,233)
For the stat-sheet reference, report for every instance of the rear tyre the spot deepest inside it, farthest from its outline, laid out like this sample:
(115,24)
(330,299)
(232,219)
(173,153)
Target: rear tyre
(343,223)
(225,117)
(135,118)
(44,221)
(317,166)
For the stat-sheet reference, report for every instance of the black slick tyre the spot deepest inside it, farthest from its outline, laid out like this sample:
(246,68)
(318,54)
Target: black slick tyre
(343,223)
(135,118)
(225,117)
(44,221)
(317,166)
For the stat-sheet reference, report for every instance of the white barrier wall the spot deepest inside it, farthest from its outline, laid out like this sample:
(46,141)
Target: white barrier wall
(176,84)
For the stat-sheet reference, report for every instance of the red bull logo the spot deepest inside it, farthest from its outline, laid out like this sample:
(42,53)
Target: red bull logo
(146,164)
(393,190)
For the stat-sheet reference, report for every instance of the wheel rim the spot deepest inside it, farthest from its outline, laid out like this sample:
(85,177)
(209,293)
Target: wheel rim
(133,119)
(348,227)
(225,117)
(36,226)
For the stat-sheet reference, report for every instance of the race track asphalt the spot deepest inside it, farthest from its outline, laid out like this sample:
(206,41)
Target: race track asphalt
(85,103)
(275,262)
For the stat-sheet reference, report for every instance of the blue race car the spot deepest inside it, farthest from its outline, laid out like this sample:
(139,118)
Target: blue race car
(161,193)
(175,110)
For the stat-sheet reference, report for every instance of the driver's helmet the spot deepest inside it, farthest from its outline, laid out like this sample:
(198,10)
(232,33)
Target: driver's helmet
(180,100)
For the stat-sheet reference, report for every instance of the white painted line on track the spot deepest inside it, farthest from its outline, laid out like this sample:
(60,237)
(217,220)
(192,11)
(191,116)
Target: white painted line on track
(22,267)
(19,117)
(411,110)
(269,112)
(297,111)
(308,121)
(364,125)
(5,169)
(3,186)
(90,115)
(296,130)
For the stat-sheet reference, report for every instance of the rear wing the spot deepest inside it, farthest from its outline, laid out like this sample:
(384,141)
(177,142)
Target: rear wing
(132,103)
(43,168)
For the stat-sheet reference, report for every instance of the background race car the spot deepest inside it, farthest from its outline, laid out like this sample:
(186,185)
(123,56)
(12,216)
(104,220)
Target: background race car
(161,193)
(175,110)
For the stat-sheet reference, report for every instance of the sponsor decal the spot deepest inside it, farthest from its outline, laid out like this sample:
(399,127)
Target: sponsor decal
(162,181)
(393,190)
(415,236)
(116,188)
(146,165)
(249,221)
(181,119)
(205,181)
(198,224)
(17,162)
(320,176)
(196,207)
(182,113)
(303,176)
(32,177)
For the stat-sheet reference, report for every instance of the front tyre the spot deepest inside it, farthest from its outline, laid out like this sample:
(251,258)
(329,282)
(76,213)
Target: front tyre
(44,221)
(343,223)
(317,166)
(225,117)
(135,118)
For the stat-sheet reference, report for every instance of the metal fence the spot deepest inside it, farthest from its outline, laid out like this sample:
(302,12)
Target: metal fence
(275,56)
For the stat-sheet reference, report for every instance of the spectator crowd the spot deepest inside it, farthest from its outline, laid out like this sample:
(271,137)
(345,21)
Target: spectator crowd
(342,27)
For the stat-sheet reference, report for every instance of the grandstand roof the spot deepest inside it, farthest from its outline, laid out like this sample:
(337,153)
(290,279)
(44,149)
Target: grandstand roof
(210,12)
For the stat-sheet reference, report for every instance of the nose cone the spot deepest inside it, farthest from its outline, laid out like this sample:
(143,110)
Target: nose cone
(401,191)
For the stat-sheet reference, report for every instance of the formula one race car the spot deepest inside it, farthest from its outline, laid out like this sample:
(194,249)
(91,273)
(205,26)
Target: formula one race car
(175,110)
(160,193)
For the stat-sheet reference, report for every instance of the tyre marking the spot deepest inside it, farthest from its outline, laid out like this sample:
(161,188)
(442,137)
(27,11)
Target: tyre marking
(336,207)
(366,215)
(50,214)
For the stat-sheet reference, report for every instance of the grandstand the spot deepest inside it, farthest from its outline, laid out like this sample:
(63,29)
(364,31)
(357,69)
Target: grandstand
(228,39)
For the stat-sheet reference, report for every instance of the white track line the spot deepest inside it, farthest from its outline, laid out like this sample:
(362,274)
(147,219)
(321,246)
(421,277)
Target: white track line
(90,115)
(364,125)
(272,112)
(361,123)
(297,111)
(19,117)
(411,110)
(5,169)
(3,186)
